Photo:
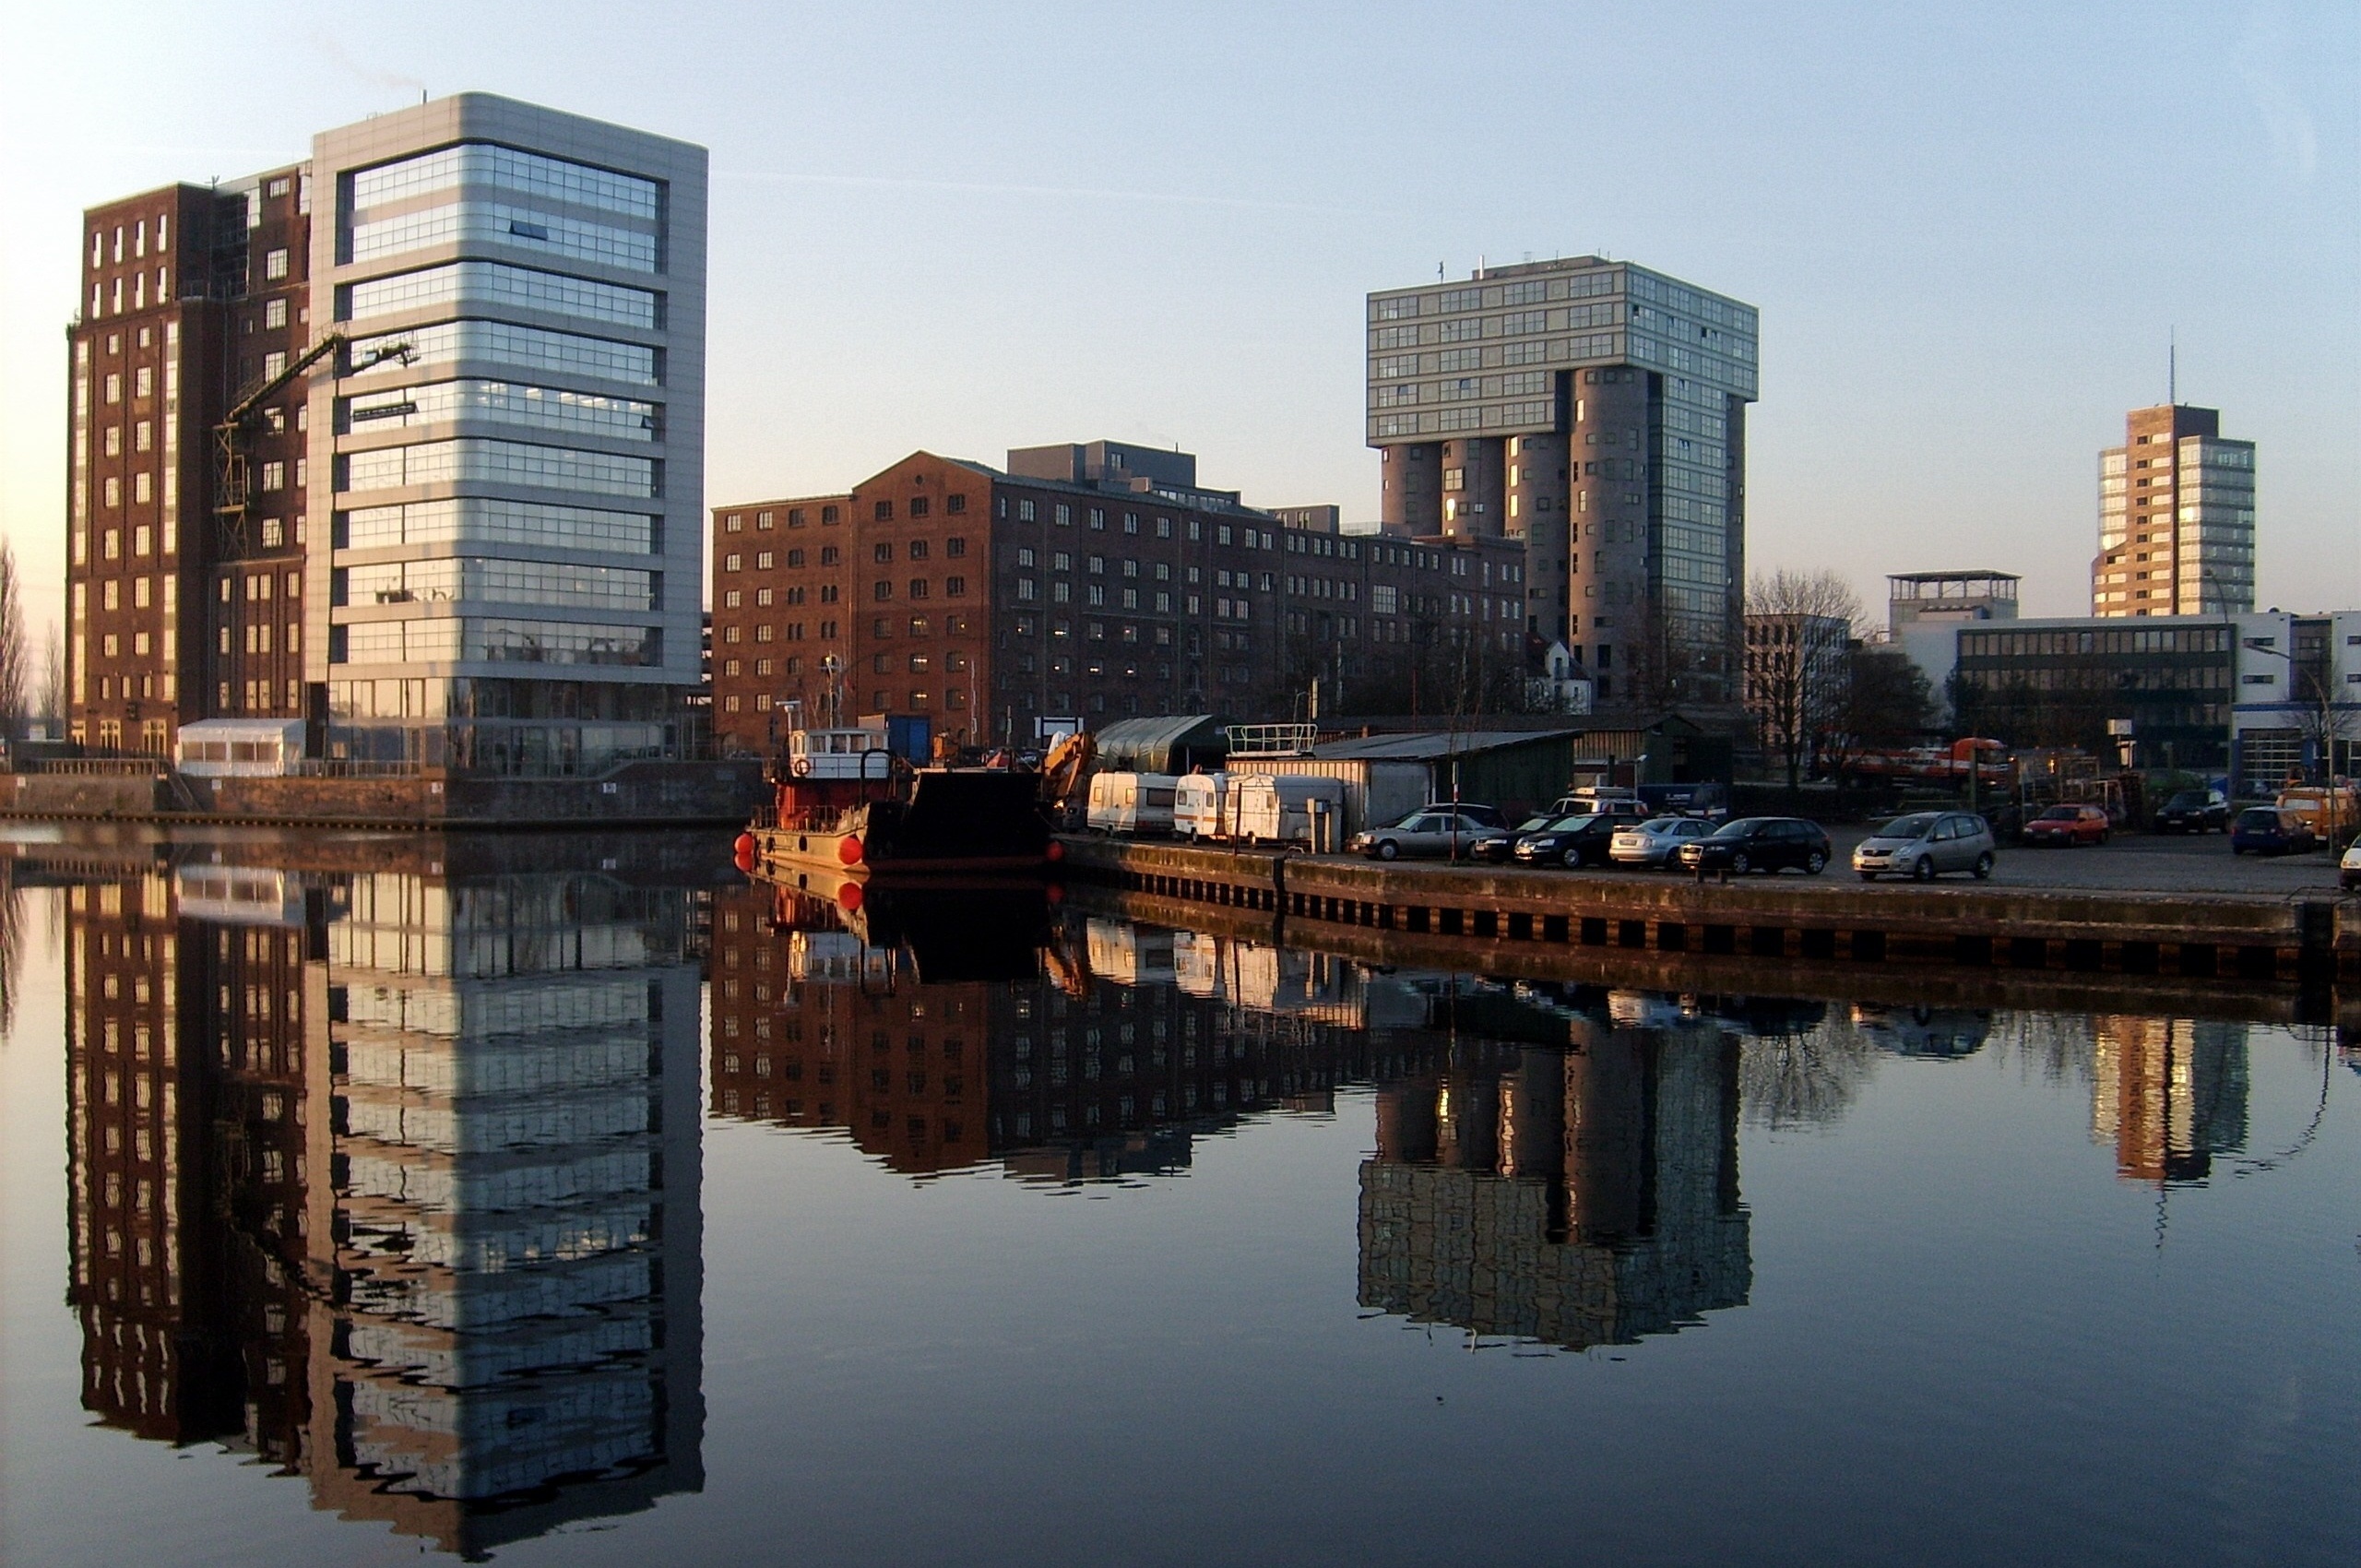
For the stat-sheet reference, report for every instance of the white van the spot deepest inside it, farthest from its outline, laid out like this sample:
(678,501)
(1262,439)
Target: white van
(1201,806)
(1277,808)
(1131,802)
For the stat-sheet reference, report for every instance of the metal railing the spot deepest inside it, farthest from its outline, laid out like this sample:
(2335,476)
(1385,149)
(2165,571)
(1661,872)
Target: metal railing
(1272,739)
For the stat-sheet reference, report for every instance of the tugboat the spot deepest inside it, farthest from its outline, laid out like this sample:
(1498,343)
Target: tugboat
(846,808)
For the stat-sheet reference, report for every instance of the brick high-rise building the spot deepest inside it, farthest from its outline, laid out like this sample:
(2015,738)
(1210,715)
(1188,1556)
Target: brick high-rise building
(1092,581)
(1594,412)
(460,520)
(2175,517)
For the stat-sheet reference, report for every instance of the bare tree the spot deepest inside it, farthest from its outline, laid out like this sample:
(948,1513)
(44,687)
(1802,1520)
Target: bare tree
(16,651)
(1798,626)
(49,698)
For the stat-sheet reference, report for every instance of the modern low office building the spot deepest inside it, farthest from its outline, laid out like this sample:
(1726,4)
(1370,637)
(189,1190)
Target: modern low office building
(2259,697)
(426,473)
(1594,412)
(2175,517)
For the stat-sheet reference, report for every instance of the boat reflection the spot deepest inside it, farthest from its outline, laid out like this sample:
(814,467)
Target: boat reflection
(372,1177)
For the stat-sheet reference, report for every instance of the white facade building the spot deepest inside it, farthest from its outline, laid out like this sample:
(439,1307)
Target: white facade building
(511,450)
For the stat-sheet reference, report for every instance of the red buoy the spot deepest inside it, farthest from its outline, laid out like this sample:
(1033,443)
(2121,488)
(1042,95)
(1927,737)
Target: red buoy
(849,851)
(744,859)
(745,845)
(1055,853)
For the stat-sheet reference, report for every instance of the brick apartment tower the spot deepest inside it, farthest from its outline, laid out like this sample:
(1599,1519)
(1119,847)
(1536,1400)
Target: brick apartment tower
(1594,412)
(176,613)
(2175,517)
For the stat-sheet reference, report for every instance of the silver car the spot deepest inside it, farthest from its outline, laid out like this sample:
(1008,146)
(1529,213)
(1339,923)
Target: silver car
(1421,834)
(1926,844)
(1656,841)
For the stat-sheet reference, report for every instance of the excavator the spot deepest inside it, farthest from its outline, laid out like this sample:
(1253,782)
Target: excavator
(1063,772)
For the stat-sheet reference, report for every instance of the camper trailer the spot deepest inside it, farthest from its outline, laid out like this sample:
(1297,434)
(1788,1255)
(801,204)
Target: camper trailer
(1201,806)
(1132,804)
(1280,808)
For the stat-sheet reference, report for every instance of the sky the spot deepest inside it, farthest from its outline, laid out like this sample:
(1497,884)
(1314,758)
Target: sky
(1972,231)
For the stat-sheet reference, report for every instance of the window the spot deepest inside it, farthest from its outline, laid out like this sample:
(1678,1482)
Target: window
(918,547)
(883,553)
(274,263)
(766,520)
(955,547)
(828,555)
(881,589)
(955,504)
(794,559)
(883,512)
(918,588)
(1025,513)
(734,524)
(955,587)
(918,506)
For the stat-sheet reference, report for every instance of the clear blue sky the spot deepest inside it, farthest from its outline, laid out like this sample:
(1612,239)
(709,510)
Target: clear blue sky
(972,227)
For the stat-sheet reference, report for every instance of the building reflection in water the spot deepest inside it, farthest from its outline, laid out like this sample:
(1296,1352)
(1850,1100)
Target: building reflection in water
(2168,1093)
(373,1176)
(1557,1164)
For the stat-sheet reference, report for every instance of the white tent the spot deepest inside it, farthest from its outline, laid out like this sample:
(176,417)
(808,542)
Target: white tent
(239,748)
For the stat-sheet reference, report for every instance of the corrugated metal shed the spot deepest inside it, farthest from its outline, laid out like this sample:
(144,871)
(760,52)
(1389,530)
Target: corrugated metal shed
(1168,744)
(1515,769)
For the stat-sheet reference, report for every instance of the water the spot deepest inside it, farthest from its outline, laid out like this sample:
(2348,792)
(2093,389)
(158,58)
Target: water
(602,1209)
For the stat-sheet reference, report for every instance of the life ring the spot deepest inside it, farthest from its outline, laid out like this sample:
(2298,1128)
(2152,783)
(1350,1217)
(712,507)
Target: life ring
(799,765)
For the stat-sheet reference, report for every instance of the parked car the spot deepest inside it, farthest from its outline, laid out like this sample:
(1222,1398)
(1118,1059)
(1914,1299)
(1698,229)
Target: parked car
(2194,811)
(2268,830)
(1569,841)
(2068,825)
(1592,799)
(1759,843)
(2348,870)
(1488,816)
(1421,835)
(1494,844)
(1655,841)
(1926,844)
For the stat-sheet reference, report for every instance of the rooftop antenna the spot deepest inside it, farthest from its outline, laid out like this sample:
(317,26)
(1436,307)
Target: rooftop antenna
(2172,366)
(1438,272)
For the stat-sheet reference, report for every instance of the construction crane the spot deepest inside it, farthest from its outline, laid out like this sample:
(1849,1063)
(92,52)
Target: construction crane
(233,478)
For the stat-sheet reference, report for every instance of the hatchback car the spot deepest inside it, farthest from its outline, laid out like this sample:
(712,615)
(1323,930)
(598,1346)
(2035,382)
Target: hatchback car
(2348,869)
(1926,844)
(1490,816)
(1655,841)
(2194,811)
(2267,830)
(1759,843)
(2067,825)
(1421,835)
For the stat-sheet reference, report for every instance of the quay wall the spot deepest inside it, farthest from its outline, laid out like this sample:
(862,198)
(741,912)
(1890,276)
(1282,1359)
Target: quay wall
(638,793)
(2250,937)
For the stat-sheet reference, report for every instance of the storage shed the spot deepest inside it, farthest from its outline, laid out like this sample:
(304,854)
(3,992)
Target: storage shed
(1387,777)
(1168,744)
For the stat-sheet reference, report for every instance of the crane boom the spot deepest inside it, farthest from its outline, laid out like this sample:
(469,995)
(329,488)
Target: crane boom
(232,483)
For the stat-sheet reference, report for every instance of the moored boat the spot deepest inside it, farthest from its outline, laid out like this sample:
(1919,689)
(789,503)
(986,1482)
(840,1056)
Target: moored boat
(844,806)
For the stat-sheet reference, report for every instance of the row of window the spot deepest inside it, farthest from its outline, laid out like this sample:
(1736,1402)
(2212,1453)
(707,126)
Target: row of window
(482,521)
(530,174)
(499,462)
(507,402)
(497,283)
(499,223)
(797,517)
(764,560)
(501,342)
(451,578)
(497,641)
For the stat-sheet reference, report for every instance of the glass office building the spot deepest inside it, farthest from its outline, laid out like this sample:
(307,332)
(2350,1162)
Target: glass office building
(512,436)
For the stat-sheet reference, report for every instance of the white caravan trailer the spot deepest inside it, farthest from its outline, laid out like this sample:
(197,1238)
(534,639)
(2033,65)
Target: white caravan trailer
(1201,806)
(1279,808)
(1131,802)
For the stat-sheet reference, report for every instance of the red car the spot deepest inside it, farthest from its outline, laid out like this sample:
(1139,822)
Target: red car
(2069,825)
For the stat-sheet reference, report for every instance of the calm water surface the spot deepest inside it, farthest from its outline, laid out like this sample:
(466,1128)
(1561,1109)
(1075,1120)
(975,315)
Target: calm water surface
(366,1200)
